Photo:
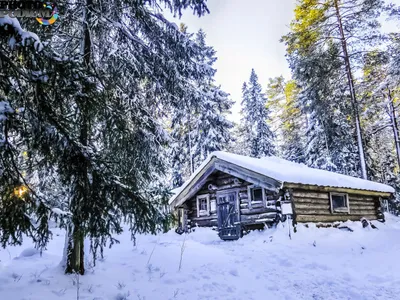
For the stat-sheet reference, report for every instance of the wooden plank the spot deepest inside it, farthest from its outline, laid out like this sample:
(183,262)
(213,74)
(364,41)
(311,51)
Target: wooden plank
(254,211)
(308,200)
(310,195)
(317,188)
(332,218)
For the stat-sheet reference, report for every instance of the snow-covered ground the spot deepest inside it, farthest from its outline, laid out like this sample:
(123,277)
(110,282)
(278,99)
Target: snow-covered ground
(314,264)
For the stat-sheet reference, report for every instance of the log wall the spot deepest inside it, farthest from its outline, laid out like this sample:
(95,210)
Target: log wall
(314,206)
(250,213)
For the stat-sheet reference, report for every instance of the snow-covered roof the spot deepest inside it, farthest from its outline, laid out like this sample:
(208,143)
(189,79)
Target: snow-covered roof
(286,171)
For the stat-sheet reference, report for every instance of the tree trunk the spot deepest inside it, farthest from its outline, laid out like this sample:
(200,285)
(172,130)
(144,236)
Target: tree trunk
(395,128)
(352,93)
(75,253)
(190,145)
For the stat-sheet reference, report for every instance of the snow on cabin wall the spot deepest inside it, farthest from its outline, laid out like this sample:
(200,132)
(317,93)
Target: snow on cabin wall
(315,206)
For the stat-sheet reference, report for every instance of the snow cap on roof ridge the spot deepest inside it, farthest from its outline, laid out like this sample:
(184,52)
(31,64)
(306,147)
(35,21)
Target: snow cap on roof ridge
(287,171)
(283,170)
(278,160)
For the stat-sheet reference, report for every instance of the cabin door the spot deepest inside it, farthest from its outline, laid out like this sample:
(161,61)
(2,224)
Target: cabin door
(228,216)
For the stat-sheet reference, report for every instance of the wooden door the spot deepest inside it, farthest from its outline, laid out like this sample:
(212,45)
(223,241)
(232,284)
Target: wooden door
(228,216)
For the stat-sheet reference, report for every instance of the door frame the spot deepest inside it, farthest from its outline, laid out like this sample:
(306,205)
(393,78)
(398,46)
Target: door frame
(231,191)
(237,201)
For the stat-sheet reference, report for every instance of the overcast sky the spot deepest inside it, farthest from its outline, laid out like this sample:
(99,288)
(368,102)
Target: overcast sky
(245,34)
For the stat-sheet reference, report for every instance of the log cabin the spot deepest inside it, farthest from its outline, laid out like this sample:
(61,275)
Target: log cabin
(235,193)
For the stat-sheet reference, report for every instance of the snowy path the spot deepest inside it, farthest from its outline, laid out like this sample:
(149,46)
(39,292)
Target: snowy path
(362,264)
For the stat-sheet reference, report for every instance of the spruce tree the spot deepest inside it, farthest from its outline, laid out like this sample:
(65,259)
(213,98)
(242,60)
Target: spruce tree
(93,105)
(331,142)
(212,126)
(255,114)
(200,126)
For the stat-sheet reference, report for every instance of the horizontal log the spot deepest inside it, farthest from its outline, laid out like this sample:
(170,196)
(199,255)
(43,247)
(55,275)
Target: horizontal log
(254,211)
(362,205)
(361,200)
(225,180)
(309,211)
(247,175)
(332,218)
(359,212)
(205,218)
(271,215)
(312,195)
(244,205)
(324,206)
(257,205)
(243,195)
(303,201)
(204,223)
(309,200)
(328,212)
(317,188)
(362,197)
(257,221)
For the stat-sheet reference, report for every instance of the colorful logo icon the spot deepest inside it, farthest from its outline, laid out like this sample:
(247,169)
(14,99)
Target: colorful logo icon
(54,14)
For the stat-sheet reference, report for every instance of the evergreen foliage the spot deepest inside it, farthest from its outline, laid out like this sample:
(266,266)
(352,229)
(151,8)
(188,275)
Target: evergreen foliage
(258,136)
(200,125)
(93,109)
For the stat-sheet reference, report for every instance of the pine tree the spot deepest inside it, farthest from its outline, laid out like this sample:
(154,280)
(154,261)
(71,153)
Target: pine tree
(351,25)
(255,117)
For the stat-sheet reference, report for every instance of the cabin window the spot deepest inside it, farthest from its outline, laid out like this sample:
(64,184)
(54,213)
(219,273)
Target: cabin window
(256,195)
(339,203)
(203,205)
(385,204)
